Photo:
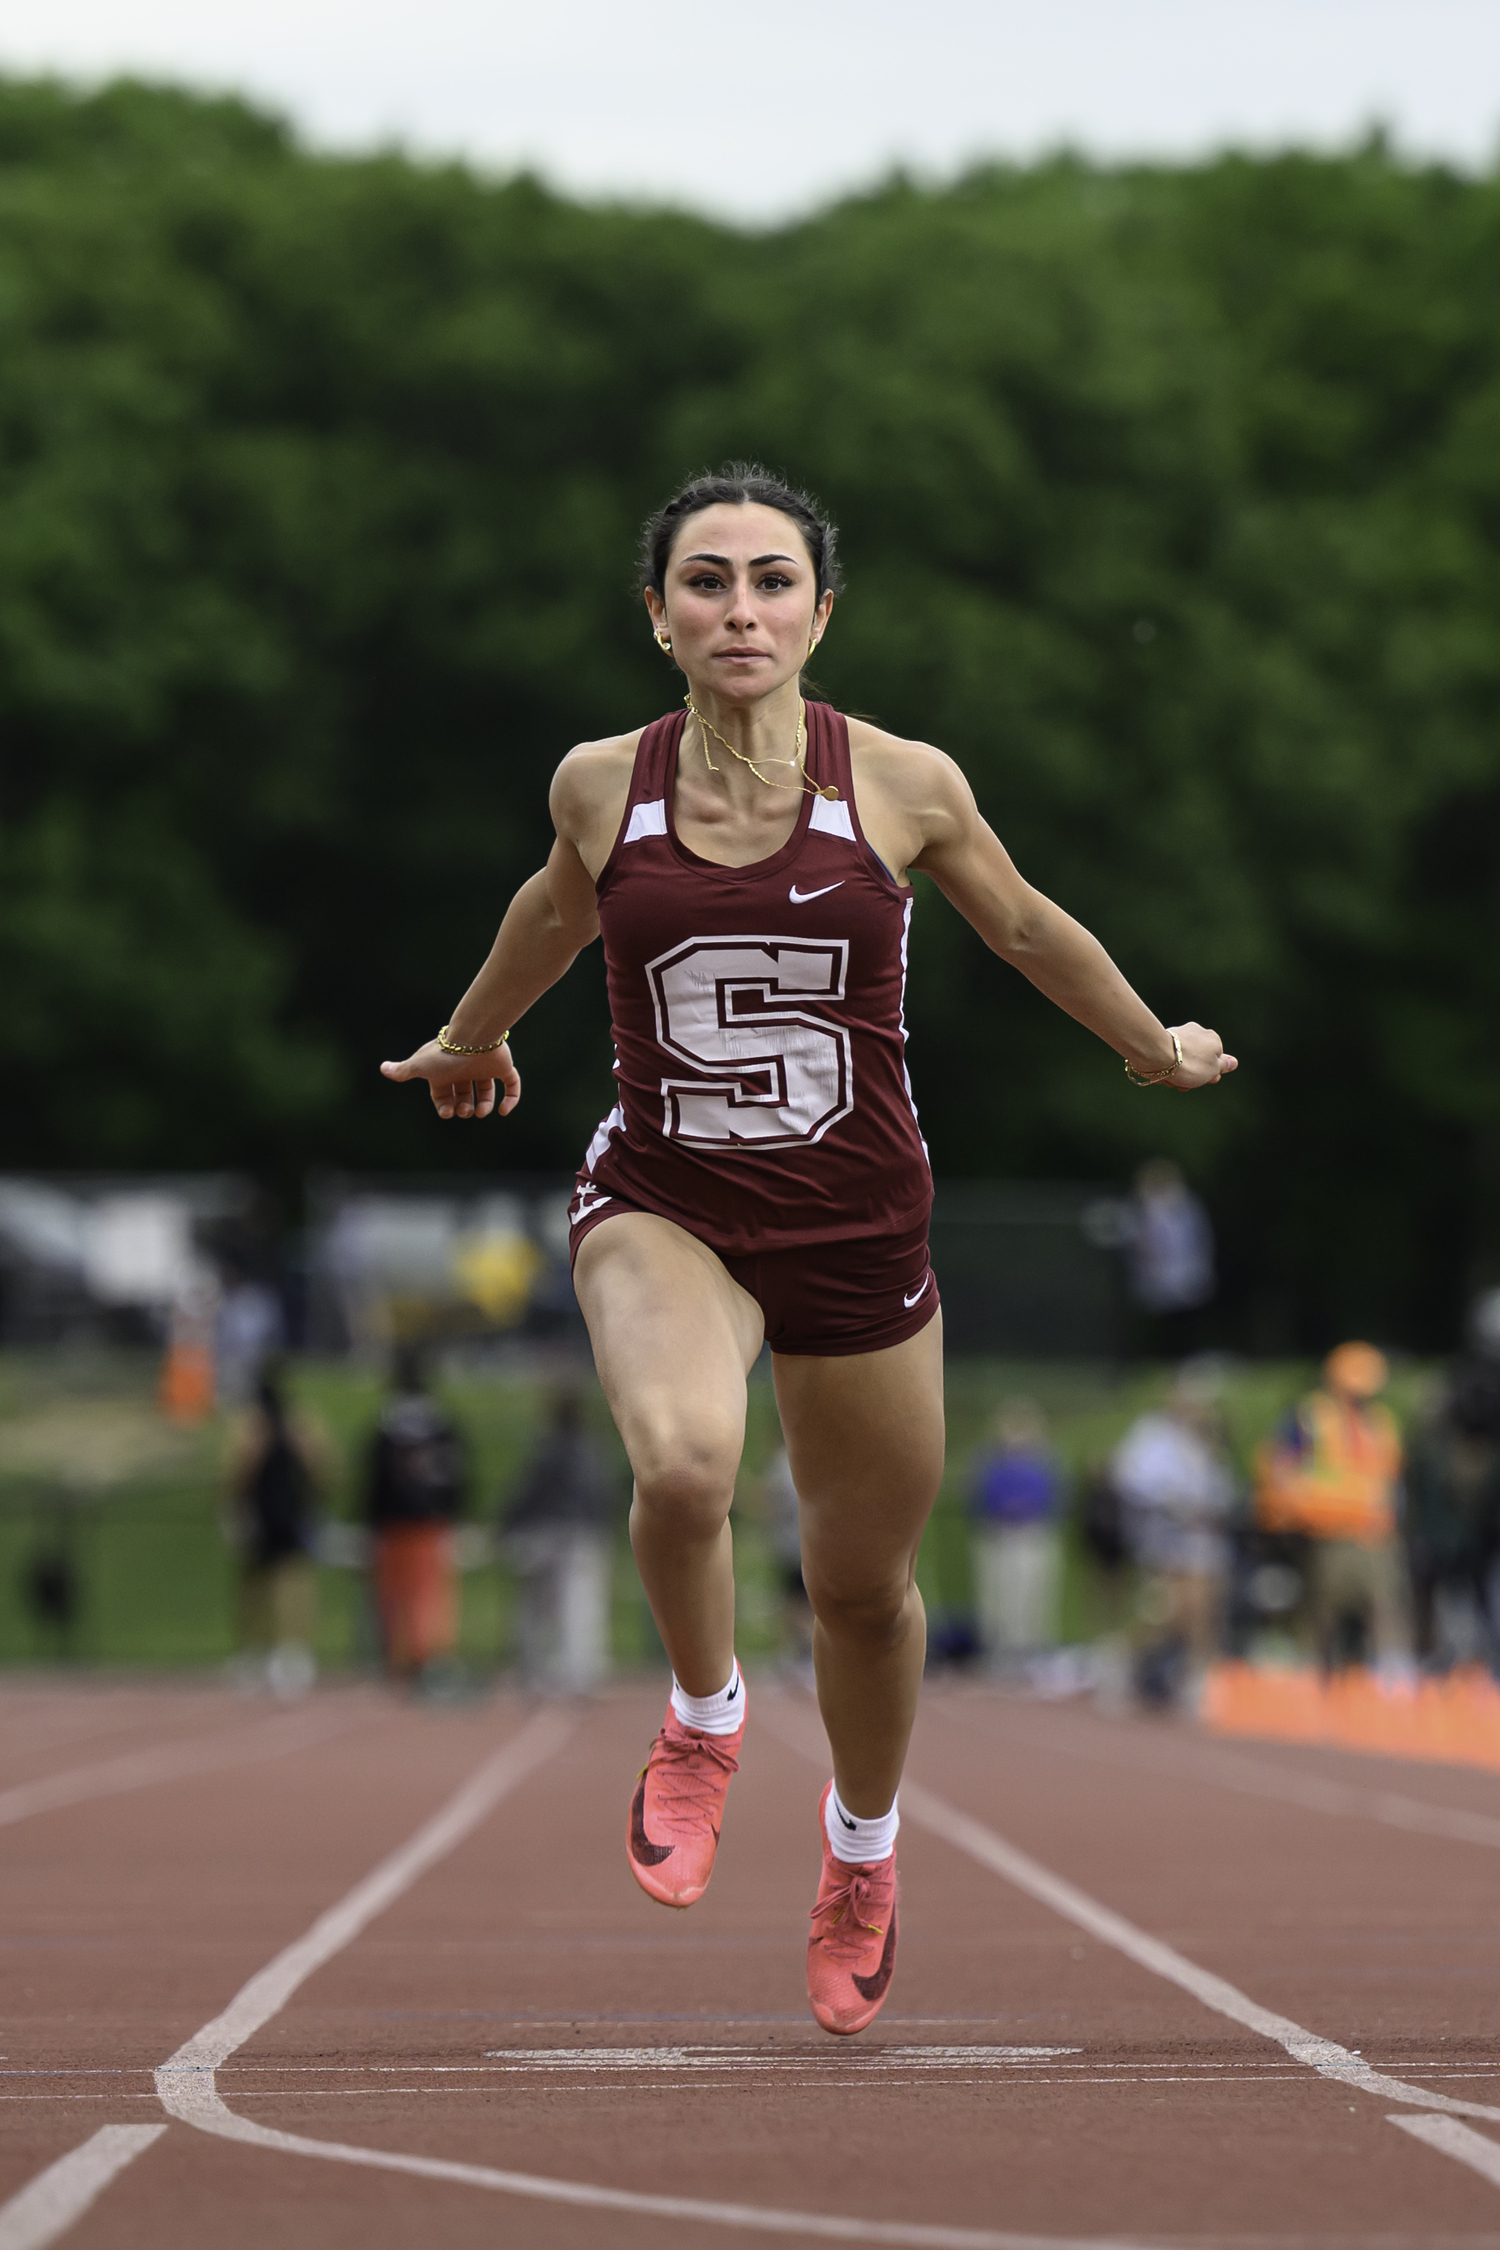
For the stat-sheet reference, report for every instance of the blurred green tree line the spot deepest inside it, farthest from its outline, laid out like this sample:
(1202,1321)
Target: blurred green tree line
(1171,506)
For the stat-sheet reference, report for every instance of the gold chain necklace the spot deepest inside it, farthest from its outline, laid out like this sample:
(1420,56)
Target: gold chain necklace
(799,760)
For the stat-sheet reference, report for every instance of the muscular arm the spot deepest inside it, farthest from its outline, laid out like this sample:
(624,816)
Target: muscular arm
(546,926)
(973,870)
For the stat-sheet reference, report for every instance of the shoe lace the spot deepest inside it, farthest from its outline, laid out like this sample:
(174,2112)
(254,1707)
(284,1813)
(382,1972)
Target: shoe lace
(845,1913)
(686,1783)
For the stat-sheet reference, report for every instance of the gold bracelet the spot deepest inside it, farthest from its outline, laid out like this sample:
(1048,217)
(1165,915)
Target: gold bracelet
(452,1047)
(1157,1077)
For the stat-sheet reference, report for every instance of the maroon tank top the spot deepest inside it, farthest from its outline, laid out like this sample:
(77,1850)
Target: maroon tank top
(759,1047)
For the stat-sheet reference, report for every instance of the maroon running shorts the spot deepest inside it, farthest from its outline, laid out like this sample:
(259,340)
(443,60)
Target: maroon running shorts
(822,1300)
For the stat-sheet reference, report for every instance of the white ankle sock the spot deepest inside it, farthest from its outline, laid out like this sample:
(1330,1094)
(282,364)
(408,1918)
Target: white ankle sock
(712,1714)
(857,1842)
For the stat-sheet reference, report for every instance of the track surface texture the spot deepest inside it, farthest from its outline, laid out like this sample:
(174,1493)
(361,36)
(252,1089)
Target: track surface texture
(495,2038)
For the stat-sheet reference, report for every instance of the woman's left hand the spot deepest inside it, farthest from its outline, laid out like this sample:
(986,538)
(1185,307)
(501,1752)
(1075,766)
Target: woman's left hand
(1204,1061)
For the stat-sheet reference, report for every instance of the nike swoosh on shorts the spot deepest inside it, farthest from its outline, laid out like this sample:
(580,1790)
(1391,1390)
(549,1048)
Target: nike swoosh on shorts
(916,1293)
(801,898)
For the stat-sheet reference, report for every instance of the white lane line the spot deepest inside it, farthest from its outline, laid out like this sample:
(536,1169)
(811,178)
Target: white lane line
(1260,1777)
(753,2218)
(1449,2138)
(169,1761)
(27,1736)
(270,1989)
(186,2082)
(48,2205)
(1325,2056)
(259,2000)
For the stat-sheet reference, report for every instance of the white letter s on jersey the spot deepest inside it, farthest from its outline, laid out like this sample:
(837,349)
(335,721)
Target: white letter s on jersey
(768,1070)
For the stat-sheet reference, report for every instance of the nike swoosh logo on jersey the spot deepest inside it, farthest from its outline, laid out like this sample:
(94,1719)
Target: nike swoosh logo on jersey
(916,1293)
(801,898)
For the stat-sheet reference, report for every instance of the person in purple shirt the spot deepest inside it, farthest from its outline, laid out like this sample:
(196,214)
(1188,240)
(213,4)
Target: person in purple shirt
(1015,1494)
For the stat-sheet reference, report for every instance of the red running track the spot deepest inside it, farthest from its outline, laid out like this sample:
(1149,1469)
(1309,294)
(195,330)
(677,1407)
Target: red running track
(1153,1990)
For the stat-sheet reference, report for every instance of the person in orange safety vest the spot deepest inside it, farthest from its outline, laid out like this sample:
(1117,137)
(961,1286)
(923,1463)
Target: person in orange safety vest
(1333,1474)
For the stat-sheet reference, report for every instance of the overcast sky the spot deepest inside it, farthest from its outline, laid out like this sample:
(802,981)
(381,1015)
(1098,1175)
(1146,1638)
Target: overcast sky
(763,109)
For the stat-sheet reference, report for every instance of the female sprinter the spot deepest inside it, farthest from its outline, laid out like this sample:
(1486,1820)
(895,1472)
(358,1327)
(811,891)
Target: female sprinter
(761,1178)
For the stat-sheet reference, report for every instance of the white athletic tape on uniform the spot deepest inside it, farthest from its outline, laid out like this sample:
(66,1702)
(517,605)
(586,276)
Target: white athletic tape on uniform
(186,2085)
(170,1761)
(48,2205)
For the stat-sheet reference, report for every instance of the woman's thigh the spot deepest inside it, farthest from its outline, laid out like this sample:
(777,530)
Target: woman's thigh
(673,1338)
(865,1441)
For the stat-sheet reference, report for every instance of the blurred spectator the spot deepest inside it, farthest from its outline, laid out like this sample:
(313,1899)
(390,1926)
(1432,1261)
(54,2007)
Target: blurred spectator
(1170,1256)
(1333,1473)
(1173,1478)
(186,1386)
(1101,1520)
(1015,1491)
(1100,1517)
(415,1487)
(784,1538)
(1452,1516)
(51,1587)
(557,1539)
(248,1329)
(278,1463)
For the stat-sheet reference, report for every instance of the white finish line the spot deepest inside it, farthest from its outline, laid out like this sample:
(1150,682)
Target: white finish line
(692,2061)
(48,2205)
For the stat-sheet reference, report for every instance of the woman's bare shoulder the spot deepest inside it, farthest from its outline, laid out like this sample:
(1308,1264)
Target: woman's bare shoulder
(598,763)
(915,774)
(594,776)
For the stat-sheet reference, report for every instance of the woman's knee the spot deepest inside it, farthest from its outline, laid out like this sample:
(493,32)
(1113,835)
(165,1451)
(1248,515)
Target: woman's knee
(684,1477)
(872,1612)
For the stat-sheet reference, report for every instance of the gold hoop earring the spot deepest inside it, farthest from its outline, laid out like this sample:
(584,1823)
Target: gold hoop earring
(664,643)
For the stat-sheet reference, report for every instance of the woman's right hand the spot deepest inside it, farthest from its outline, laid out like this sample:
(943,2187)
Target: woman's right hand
(473,1094)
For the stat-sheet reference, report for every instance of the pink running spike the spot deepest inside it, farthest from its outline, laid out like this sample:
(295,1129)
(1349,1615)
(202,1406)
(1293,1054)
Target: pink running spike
(678,1809)
(851,1950)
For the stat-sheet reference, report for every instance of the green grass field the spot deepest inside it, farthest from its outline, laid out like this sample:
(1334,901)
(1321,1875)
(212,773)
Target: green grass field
(87,1464)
